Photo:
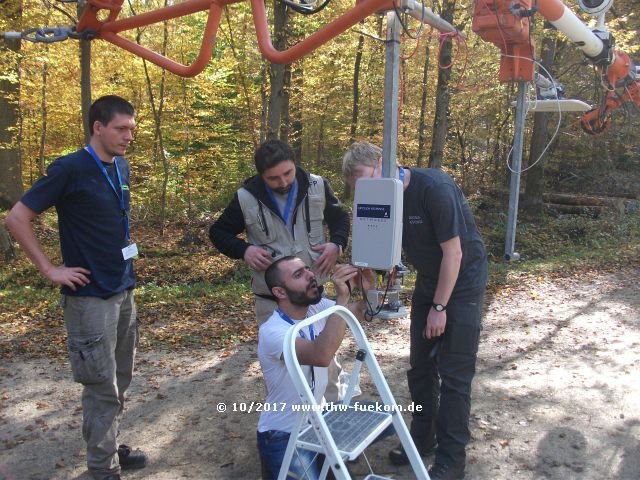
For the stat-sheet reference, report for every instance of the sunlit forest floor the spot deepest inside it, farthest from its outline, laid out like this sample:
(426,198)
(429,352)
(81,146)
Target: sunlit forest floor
(189,296)
(555,395)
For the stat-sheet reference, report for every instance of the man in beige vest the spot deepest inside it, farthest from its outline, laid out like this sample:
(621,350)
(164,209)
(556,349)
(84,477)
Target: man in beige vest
(283,210)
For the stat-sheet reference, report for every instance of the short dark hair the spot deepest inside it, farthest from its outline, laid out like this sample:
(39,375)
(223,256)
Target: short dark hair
(271,153)
(273,274)
(105,108)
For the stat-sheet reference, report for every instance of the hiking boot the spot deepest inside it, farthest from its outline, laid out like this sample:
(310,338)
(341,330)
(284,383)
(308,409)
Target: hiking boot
(131,460)
(398,456)
(443,471)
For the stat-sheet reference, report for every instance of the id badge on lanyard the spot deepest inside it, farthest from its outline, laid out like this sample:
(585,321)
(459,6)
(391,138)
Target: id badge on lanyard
(131,250)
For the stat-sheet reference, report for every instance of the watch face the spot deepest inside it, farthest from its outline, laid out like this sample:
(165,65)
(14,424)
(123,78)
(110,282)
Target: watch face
(438,307)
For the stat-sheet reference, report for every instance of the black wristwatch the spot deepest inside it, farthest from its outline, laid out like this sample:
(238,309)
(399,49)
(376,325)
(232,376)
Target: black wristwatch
(438,307)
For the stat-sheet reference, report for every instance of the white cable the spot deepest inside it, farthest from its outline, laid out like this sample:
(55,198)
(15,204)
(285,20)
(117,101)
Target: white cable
(555,134)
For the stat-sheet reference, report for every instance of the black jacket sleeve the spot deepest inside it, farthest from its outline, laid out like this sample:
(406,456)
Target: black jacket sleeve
(225,230)
(336,217)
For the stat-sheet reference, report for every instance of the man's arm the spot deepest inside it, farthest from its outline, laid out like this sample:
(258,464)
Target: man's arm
(225,230)
(18,222)
(224,236)
(320,351)
(447,278)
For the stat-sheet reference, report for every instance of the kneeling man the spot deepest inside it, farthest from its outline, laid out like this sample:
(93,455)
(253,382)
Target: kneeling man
(299,296)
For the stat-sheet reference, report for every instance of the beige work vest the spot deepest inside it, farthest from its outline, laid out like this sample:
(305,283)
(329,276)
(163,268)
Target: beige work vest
(266,229)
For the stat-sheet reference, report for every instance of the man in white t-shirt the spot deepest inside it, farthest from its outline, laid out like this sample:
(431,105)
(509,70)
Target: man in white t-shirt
(299,296)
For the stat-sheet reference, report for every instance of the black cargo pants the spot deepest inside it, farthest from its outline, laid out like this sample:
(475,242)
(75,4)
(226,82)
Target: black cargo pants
(441,373)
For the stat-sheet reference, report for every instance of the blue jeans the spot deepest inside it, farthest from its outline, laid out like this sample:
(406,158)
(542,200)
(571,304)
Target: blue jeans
(272,446)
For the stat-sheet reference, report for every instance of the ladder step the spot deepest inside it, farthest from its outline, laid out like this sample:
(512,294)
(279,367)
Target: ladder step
(352,430)
(373,476)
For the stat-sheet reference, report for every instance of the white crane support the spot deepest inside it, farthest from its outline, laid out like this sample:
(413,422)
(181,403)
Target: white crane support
(425,15)
(561,17)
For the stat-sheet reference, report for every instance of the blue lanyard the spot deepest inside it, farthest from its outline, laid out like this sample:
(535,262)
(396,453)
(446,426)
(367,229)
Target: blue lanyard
(401,174)
(286,318)
(287,208)
(125,217)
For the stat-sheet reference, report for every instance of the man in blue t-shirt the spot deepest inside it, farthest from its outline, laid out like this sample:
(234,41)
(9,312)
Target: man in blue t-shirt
(440,238)
(90,191)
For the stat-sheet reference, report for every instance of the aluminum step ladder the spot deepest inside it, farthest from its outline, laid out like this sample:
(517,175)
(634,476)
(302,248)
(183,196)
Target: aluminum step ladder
(342,432)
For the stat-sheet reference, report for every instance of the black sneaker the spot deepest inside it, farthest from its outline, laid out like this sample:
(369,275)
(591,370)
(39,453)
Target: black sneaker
(398,456)
(443,471)
(131,460)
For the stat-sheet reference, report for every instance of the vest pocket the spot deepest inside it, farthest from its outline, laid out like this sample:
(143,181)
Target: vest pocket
(259,226)
(88,359)
(316,217)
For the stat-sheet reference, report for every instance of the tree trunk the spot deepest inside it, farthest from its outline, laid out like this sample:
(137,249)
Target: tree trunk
(498,150)
(277,100)
(374,118)
(243,82)
(10,156)
(423,109)
(286,98)
(85,81)
(534,176)
(157,110)
(297,91)
(264,97)
(6,244)
(440,121)
(43,107)
(355,110)
(321,131)
(185,112)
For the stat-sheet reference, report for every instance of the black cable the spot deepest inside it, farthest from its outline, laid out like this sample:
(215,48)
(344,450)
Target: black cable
(297,7)
(404,26)
(369,313)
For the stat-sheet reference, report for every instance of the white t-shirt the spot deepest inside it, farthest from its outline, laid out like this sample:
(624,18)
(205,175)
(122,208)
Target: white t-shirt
(277,413)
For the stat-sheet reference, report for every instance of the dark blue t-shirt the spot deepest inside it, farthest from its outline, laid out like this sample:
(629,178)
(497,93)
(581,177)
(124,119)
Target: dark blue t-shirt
(435,210)
(90,221)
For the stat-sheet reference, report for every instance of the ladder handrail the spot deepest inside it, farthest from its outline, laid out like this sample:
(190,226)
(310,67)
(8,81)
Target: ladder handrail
(315,415)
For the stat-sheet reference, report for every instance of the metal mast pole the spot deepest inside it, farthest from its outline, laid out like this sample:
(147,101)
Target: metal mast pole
(516,168)
(391,88)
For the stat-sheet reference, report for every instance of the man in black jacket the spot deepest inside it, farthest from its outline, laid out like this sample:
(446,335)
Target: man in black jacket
(282,209)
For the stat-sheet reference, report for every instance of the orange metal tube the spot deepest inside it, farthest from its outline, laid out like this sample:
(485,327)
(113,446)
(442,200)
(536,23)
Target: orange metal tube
(156,16)
(552,10)
(362,10)
(206,49)
(89,20)
(109,29)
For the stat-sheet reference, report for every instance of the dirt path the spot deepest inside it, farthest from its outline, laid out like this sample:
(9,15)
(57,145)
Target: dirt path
(557,395)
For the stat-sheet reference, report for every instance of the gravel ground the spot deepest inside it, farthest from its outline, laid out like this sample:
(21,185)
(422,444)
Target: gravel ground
(557,395)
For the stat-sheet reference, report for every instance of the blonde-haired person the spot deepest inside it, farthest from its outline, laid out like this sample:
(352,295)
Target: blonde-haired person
(441,240)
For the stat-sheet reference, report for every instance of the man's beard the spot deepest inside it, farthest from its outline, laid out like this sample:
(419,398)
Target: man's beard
(283,190)
(304,299)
